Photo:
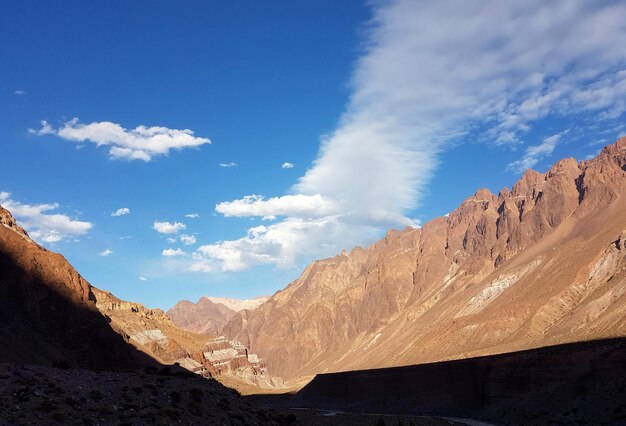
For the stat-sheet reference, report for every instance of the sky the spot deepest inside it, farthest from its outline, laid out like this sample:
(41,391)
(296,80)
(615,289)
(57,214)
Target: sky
(175,150)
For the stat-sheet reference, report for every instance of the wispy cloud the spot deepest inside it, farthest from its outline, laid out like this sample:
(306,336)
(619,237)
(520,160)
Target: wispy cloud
(143,279)
(433,74)
(41,224)
(19,92)
(188,240)
(105,252)
(141,143)
(536,153)
(46,129)
(172,252)
(228,165)
(123,211)
(287,165)
(192,215)
(168,228)
(288,205)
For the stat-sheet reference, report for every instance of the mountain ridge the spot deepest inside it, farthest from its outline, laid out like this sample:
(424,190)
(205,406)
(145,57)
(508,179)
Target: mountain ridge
(445,281)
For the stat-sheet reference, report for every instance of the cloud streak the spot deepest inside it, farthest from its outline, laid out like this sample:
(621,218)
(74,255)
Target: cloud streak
(123,211)
(141,143)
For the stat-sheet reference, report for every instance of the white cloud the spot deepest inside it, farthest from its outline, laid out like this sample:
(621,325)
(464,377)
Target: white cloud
(536,153)
(140,143)
(46,129)
(192,215)
(106,252)
(228,165)
(168,228)
(42,225)
(173,252)
(171,240)
(433,74)
(121,212)
(188,239)
(287,165)
(142,279)
(288,205)
(19,92)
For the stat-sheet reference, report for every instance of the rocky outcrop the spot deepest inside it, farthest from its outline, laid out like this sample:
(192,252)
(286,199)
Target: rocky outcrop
(231,357)
(537,264)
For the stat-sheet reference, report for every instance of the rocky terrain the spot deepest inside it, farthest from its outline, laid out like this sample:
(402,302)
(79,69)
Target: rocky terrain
(42,395)
(539,264)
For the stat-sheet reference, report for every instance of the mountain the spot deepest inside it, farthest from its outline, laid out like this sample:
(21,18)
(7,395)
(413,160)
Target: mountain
(239,304)
(540,264)
(204,317)
(48,312)
(210,314)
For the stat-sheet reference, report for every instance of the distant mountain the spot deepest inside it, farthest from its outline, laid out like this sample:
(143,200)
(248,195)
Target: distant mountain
(204,317)
(153,332)
(48,312)
(239,304)
(210,314)
(542,263)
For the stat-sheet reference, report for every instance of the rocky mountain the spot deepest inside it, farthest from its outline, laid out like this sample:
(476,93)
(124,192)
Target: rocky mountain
(239,304)
(204,317)
(210,314)
(541,263)
(48,312)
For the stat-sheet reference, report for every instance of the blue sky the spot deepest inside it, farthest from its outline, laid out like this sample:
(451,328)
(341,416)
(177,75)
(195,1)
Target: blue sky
(291,129)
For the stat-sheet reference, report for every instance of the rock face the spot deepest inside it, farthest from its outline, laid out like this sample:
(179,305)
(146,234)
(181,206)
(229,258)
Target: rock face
(48,312)
(542,263)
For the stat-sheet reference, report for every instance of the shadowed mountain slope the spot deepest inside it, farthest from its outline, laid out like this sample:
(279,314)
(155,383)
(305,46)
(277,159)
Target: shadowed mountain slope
(48,312)
(542,263)
(576,383)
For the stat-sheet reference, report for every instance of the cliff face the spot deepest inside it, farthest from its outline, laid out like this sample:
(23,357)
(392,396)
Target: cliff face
(541,263)
(48,312)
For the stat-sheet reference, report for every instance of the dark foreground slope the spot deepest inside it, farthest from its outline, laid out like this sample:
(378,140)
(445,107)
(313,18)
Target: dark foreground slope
(581,383)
